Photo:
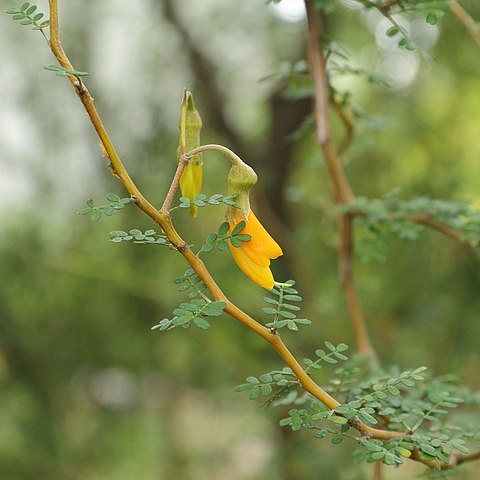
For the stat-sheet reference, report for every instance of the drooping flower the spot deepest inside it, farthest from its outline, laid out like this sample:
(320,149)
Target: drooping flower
(254,256)
(190,125)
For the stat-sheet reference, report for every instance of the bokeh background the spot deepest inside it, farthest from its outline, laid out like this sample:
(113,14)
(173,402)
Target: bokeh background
(87,390)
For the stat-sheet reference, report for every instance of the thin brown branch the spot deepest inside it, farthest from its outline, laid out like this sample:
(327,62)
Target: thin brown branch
(377,470)
(348,124)
(427,221)
(468,22)
(364,345)
(454,460)
(343,191)
(182,163)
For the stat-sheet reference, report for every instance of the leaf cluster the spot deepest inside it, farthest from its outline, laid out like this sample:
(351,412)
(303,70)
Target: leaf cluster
(282,311)
(392,215)
(222,237)
(201,200)
(25,15)
(405,402)
(63,72)
(137,236)
(194,312)
(281,380)
(95,212)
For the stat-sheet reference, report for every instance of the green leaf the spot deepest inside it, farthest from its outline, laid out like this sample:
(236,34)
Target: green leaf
(96,215)
(112,197)
(12,11)
(392,31)
(211,238)
(109,211)
(428,449)
(84,211)
(31,10)
(266,390)
(244,237)
(238,228)
(330,346)
(337,439)
(254,393)
(214,309)
(338,420)
(201,323)
(223,229)
(431,19)
(269,310)
(24,6)
(293,298)
(235,242)
(243,387)
(222,245)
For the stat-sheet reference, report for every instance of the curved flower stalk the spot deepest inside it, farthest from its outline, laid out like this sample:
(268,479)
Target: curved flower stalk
(190,125)
(252,257)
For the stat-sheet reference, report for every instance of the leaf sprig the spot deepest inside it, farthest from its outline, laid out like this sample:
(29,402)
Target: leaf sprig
(282,311)
(191,281)
(222,237)
(201,200)
(265,384)
(95,212)
(137,236)
(335,354)
(194,312)
(63,72)
(25,15)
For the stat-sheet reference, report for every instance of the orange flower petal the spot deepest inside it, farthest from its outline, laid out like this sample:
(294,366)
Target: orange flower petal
(261,240)
(253,257)
(261,275)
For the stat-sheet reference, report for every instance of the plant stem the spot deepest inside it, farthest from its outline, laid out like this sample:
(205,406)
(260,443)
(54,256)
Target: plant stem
(468,22)
(342,188)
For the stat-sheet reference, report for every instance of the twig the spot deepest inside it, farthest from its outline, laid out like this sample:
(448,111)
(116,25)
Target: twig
(427,221)
(348,124)
(468,22)
(343,191)
(182,163)
(346,276)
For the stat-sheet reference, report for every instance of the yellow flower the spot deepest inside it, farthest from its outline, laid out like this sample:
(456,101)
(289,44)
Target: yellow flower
(191,182)
(190,125)
(253,257)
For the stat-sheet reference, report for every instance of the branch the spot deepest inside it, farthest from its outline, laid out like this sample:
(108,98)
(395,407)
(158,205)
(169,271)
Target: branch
(427,221)
(468,22)
(348,124)
(343,191)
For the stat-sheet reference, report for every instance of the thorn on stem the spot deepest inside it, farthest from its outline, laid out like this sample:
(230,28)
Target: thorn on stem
(183,247)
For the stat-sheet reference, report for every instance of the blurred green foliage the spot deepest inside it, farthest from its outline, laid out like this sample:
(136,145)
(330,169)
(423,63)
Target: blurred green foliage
(88,391)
